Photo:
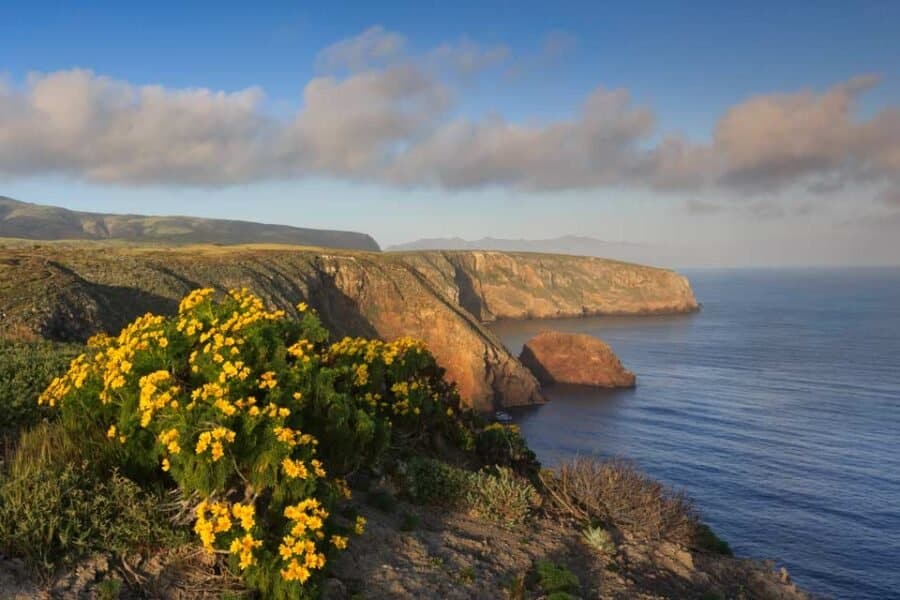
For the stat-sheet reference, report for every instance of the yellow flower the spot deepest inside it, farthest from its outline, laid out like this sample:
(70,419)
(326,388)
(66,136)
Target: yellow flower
(302,307)
(295,572)
(217,452)
(339,542)
(244,547)
(111,432)
(244,512)
(294,469)
(267,380)
(165,464)
(360,527)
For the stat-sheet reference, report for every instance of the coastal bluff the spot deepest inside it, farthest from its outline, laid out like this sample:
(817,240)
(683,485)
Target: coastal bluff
(69,291)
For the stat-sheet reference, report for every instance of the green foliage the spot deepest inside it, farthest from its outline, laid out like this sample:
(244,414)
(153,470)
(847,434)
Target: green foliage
(431,481)
(499,444)
(500,495)
(410,522)
(260,417)
(553,578)
(706,539)
(109,589)
(56,506)
(599,539)
(25,370)
(562,596)
(383,500)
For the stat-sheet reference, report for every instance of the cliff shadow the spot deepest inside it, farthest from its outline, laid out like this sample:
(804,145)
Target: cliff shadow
(87,308)
(340,313)
(469,298)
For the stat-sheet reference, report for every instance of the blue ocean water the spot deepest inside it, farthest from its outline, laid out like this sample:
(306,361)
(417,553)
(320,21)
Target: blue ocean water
(777,407)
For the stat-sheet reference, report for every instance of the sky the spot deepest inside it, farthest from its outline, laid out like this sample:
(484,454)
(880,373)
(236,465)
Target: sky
(746,135)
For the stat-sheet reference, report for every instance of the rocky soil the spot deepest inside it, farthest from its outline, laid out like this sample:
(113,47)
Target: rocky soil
(556,357)
(452,556)
(70,291)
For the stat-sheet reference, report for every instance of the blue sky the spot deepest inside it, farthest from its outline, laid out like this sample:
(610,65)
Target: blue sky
(533,65)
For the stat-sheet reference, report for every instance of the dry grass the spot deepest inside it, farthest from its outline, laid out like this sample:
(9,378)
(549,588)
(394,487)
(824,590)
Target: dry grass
(618,495)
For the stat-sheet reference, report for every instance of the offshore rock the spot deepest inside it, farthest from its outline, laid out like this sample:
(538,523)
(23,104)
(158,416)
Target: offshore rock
(556,357)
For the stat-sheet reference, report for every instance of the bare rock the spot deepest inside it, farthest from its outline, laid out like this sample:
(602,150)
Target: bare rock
(556,357)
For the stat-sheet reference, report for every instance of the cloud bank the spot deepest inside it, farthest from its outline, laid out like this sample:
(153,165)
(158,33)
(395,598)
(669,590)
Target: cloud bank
(378,113)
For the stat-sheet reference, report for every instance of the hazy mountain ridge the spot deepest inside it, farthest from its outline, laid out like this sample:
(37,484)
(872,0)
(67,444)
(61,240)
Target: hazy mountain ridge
(40,222)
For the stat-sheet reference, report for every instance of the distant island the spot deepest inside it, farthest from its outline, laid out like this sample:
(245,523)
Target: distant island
(29,221)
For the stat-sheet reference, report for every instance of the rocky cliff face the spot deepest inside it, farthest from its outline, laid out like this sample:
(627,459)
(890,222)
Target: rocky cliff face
(69,292)
(522,285)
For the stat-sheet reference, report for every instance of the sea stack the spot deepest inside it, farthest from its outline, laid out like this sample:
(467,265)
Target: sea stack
(556,357)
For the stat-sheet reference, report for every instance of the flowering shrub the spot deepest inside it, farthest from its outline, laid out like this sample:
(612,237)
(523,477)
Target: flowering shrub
(258,416)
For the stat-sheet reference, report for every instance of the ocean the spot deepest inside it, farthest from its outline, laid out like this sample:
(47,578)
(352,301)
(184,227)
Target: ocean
(776,407)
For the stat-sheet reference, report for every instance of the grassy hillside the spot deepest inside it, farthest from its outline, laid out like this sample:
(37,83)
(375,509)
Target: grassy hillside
(38,222)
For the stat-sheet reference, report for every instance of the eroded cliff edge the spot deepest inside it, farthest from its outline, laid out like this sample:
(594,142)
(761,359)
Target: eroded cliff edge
(69,292)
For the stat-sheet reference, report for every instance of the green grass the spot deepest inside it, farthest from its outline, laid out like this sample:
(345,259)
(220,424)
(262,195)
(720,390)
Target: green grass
(25,370)
(59,501)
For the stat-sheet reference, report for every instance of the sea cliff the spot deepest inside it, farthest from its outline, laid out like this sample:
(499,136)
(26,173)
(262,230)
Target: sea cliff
(71,291)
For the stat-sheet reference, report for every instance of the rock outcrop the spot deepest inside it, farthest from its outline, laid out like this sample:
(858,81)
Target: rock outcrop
(70,291)
(556,357)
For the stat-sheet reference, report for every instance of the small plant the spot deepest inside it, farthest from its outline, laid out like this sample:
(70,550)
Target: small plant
(499,444)
(410,522)
(466,575)
(706,539)
(431,481)
(501,496)
(383,500)
(599,539)
(554,578)
(109,589)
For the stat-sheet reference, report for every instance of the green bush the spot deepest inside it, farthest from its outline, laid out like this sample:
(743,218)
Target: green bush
(25,370)
(553,578)
(500,495)
(706,539)
(431,481)
(410,522)
(55,505)
(383,500)
(259,416)
(499,444)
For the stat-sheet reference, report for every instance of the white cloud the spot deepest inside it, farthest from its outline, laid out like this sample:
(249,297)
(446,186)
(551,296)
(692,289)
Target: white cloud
(395,123)
(373,47)
(467,57)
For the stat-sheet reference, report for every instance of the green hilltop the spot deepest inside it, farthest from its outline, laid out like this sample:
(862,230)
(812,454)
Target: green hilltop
(25,220)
